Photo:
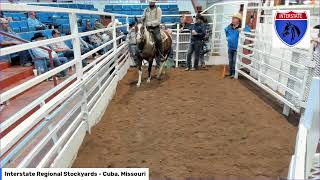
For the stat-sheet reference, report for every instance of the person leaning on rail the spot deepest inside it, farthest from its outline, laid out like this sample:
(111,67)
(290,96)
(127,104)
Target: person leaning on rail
(131,39)
(183,25)
(152,19)
(232,33)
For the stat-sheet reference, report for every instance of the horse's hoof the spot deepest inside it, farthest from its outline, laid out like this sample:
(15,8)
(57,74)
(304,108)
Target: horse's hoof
(159,78)
(138,85)
(149,80)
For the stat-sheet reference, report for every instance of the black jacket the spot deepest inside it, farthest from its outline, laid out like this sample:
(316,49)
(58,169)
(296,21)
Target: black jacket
(200,29)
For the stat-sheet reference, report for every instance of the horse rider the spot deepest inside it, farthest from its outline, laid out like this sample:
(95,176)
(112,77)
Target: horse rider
(152,19)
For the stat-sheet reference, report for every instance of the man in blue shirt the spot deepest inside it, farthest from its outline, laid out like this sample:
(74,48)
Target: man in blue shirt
(34,23)
(198,33)
(232,33)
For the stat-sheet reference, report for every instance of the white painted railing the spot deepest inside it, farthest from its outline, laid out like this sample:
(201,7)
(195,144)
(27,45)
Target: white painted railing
(284,73)
(305,163)
(52,135)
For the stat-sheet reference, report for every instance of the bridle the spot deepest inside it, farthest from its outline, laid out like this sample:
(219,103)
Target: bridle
(141,34)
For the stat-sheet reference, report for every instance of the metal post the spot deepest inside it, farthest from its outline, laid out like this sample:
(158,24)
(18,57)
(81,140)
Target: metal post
(244,15)
(214,23)
(76,44)
(127,21)
(79,69)
(114,36)
(257,37)
(177,45)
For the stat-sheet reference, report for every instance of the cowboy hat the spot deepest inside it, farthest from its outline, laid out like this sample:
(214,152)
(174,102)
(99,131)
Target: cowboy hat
(3,21)
(152,1)
(37,35)
(199,16)
(317,27)
(55,31)
(237,15)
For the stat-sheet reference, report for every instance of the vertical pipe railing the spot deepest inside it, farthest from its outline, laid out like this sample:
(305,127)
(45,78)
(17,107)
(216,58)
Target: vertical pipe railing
(114,37)
(76,45)
(79,68)
(257,38)
(177,44)
(214,24)
(244,15)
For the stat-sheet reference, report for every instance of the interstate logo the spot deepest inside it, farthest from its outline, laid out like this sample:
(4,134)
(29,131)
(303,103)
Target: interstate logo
(291,26)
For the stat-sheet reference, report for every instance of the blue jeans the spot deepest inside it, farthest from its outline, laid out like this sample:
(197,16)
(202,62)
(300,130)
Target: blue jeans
(41,66)
(134,52)
(58,62)
(195,47)
(232,54)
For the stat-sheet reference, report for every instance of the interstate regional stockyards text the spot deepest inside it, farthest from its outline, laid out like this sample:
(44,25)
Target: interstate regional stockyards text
(70,174)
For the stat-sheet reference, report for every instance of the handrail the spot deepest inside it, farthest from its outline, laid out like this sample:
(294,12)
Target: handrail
(16,135)
(307,137)
(41,47)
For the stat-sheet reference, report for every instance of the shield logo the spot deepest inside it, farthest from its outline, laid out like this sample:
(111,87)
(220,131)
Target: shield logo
(291,26)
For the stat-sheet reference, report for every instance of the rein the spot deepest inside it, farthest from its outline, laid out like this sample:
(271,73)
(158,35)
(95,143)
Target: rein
(142,43)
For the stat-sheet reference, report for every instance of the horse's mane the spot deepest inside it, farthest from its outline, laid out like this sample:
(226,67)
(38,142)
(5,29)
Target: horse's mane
(296,29)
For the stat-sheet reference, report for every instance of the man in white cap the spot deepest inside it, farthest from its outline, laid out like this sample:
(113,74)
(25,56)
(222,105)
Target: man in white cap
(152,19)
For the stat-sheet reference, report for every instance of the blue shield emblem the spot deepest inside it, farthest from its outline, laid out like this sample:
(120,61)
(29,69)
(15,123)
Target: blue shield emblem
(291,26)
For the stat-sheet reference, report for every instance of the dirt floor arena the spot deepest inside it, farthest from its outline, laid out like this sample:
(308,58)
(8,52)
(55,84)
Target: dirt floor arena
(192,125)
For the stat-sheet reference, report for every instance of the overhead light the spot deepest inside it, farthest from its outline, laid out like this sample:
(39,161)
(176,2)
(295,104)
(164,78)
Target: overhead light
(293,2)
(307,2)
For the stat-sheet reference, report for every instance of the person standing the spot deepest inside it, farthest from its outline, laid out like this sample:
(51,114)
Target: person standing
(133,48)
(232,33)
(204,47)
(197,34)
(152,19)
(34,23)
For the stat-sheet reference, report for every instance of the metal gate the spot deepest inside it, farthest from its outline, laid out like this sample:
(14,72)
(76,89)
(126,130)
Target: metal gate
(284,73)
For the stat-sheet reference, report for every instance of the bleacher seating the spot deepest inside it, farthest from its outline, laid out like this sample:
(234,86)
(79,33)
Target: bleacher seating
(16,16)
(47,33)
(19,23)
(28,35)
(137,9)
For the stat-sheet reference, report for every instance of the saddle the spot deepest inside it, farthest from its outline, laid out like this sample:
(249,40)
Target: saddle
(164,37)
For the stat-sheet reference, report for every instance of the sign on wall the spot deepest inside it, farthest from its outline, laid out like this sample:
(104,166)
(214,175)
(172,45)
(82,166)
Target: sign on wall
(291,29)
